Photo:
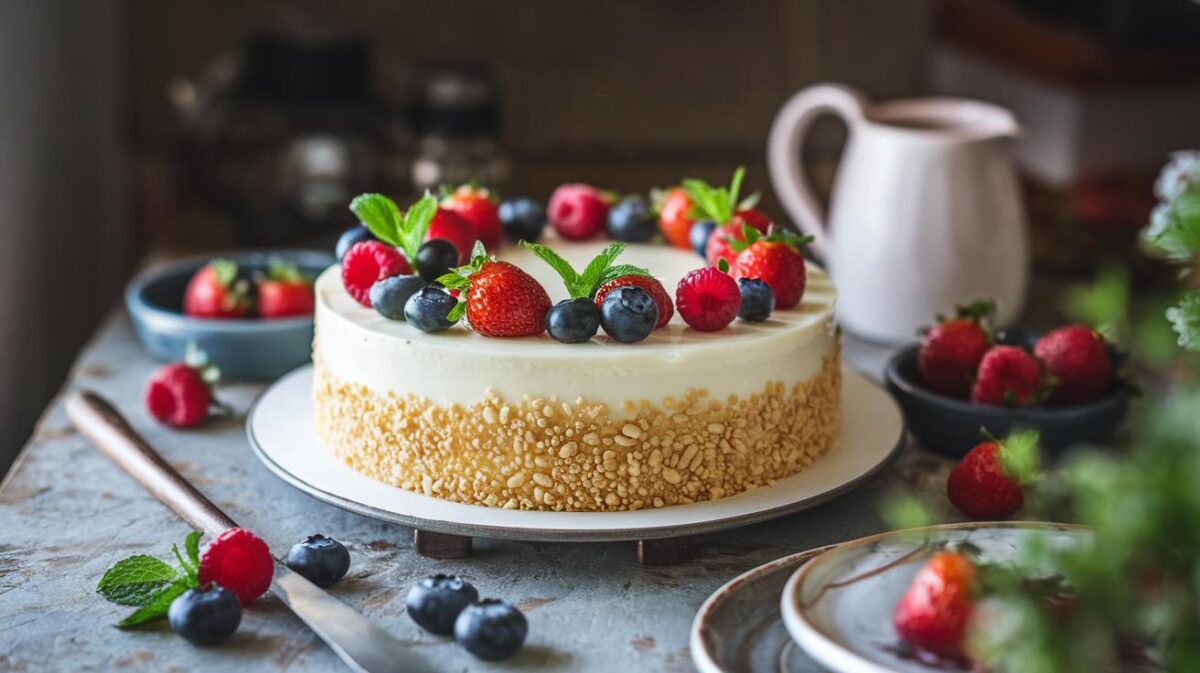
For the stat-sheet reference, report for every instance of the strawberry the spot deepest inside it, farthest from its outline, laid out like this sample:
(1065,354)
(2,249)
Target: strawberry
(218,290)
(1076,358)
(284,292)
(950,351)
(648,283)
(987,483)
(450,226)
(181,394)
(577,211)
(934,611)
(477,206)
(674,217)
(500,300)
(1007,376)
(753,217)
(720,246)
(775,260)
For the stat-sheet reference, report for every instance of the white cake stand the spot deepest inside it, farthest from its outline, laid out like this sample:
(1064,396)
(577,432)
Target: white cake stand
(280,428)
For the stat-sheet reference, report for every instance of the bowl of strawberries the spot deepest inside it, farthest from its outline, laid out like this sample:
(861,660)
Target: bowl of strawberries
(964,377)
(249,311)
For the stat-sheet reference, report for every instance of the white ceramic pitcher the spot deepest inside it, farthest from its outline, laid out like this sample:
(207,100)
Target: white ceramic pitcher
(925,212)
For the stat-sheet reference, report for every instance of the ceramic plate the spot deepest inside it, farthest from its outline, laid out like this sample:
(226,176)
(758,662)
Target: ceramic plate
(281,431)
(838,607)
(740,629)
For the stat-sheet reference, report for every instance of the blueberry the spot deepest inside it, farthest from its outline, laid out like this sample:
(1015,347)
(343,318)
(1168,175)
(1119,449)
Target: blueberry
(523,219)
(426,309)
(435,258)
(351,236)
(573,321)
(699,233)
(320,559)
(205,615)
(758,300)
(491,629)
(628,314)
(632,221)
(435,602)
(389,295)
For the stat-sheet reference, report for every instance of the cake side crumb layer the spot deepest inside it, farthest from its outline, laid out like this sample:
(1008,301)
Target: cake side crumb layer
(550,454)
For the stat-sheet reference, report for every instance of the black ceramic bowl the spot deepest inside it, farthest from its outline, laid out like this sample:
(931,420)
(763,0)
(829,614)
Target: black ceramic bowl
(952,426)
(246,349)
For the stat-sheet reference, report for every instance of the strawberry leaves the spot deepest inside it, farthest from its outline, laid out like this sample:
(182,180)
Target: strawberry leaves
(599,271)
(715,203)
(151,584)
(750,236)
(383,218)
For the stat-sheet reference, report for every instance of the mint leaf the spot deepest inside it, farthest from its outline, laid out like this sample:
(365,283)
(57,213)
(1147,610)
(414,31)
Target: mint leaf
(380,215)
(416,224)
(589,280)
(135,580)
(192,545)
(159,603)
(187,568)
(561,266)
(715,203)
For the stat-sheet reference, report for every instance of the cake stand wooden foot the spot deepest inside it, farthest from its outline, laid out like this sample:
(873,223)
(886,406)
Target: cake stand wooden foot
(441,545)
(666,551)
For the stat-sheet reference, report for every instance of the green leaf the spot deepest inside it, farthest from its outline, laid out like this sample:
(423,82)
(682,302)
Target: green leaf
(285,272)
(1104,303)
(453,281)
(192,544)
(135,580)
(1175,226)
(225,270)
(1020,456)
(478,251)
(723,265)
(159,603)
(561,266)
(184,565)
(380,215)
(1185,320)
(620,271)
(415,225)
(457,312)
(589,280)
(735,186)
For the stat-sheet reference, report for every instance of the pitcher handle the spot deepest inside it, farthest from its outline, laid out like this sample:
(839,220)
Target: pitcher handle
(788,177)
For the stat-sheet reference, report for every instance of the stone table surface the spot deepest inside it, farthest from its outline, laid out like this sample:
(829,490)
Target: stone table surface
(67,513)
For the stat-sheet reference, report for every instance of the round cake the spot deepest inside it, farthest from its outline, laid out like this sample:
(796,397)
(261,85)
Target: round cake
(532,423)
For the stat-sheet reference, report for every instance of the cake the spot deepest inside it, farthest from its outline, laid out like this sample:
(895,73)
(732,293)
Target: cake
(531,423)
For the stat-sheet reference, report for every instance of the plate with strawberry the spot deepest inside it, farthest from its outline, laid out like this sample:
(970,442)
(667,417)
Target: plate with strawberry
(904,601)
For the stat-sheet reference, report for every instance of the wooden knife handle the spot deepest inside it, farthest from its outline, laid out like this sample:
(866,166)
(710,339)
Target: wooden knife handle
(103,425)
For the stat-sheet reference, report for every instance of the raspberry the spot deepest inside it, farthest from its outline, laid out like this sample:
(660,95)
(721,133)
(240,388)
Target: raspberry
(708,299)
(177,396)
(367,262)
(577,211)
(239,561)
(651,285)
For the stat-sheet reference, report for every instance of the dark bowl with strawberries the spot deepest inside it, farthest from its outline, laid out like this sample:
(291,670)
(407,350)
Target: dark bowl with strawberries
(258,337)
(953,424)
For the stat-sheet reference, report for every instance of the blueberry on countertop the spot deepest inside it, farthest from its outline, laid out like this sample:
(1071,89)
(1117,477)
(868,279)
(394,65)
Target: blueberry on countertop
(435,258)
(491,629)
(522,218)
(758,300)
(355,234)
(699,233)
(321,560)
(628,314)
(632,220)
(206,615)
(389,295)
(426,309)
(573,320)
(435,602)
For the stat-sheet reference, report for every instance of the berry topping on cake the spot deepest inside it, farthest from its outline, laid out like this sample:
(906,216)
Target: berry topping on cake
(369,262)
(429,308)
(205,615)
(951,350)
(708,299)
(239,561)
(1007,376)
(181,394)
(522,218)
(501,300)
(450,226)
(699,234)
(648,283)
(631,220)
(436,601)
(219,290)
(284,292)
(321,560)
(628,314)
(720,244)
(491,629)
(775,260)
(675,217)
(720,204)
(390,295)
(356,234)
(476,205)
(1076,358)
(932,614)
(435,258)
(757,300)
(577,211)
(573,320)
(987,483)
(751,216)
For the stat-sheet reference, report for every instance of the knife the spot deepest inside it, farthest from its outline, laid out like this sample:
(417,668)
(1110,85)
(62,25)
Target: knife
(360,643)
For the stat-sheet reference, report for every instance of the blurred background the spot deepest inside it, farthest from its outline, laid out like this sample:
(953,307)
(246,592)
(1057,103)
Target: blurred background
(138,129)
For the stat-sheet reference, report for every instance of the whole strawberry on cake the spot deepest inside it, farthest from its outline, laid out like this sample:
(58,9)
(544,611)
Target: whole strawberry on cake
(571,372)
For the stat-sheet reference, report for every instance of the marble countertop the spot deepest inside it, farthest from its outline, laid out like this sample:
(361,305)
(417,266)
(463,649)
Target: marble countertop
(67,513)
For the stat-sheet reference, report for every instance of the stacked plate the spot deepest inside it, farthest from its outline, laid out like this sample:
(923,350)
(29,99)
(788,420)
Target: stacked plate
(831,608)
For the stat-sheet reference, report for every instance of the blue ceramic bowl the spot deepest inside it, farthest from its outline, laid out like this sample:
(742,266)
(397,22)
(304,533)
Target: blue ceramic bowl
(247,349)
(952,426)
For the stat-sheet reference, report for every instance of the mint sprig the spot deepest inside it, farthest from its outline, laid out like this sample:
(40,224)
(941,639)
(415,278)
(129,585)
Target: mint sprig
(383,218)
(750,236)
(599,271)
(150,583)
(719,203)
